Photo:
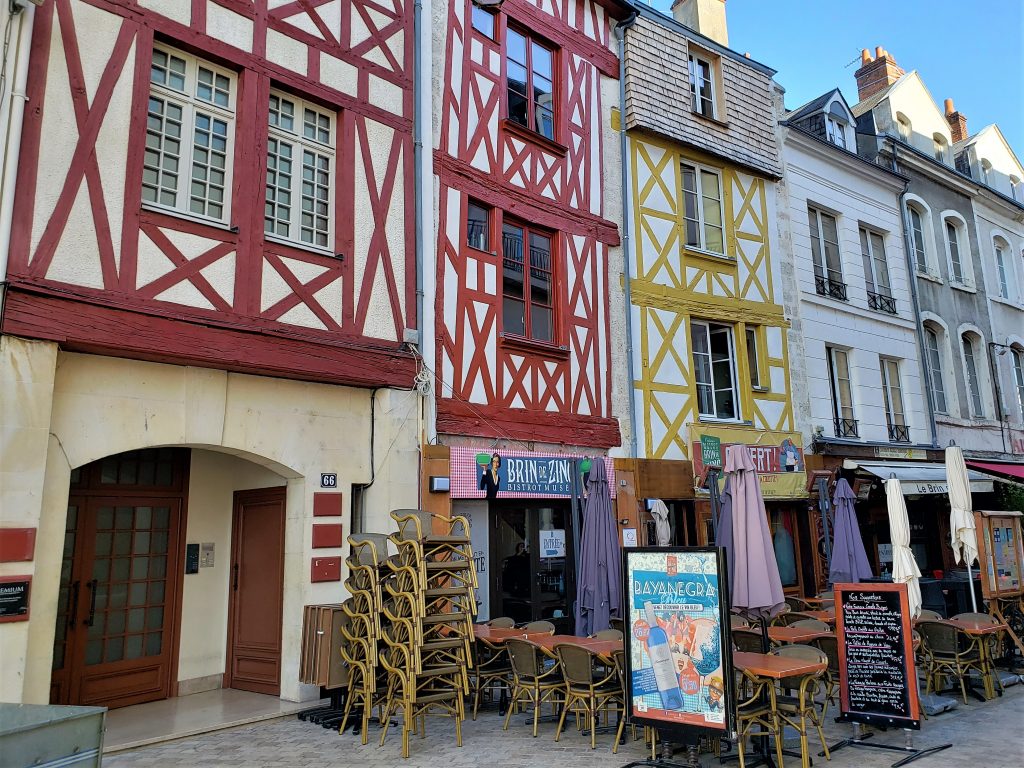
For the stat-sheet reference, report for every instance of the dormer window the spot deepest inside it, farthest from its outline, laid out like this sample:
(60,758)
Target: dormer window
(1016,191)
(940,147)
(702,86)
(986,173)
(904,127)
(835,125)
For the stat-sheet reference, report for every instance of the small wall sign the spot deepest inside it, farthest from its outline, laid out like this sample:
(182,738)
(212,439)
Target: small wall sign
(328,479)
(14,597)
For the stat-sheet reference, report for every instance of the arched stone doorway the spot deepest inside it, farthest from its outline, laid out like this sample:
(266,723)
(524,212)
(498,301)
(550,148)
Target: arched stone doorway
(164,552)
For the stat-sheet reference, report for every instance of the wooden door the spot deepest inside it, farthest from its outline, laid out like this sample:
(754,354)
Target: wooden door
(257,591)
(117,611)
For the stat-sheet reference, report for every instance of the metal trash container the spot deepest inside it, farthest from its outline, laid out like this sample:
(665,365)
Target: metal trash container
(40,735)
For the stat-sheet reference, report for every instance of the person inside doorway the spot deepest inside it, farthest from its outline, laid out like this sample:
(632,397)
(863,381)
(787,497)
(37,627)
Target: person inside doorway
(515,572)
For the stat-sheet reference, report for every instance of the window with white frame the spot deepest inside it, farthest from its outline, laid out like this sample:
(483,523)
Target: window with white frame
(876,271)
(1015,189)
(702,203)
(702,86)
(904,127)
(892,394)
(940,147)
(1001,247)
(714,366)
(971,372)
(917,238)
(935,374)
(841,386)
(835,129)
(1018,375)
(955,243)
(825,256)
(752,358)
(190,126)
(986,173)
(299,200)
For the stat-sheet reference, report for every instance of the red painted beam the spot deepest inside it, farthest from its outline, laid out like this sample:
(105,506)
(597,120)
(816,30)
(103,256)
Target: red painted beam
(456,417)
(82,326)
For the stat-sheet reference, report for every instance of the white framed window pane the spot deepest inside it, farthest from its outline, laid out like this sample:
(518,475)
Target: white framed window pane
(954,251)
(830,238)
(1004,288)
(167,70)
(935,369)
(755,374)
(881,264)
(917,230)
(1018,374)
(973,384)
(893,393)
(213,87)
(865,252)
(702,368)
(691,213)
(278,206)
(711,208)
(722,372)
(282,113)
(162,157)
(842,391)
(316,199)
(817,248)
(209,165)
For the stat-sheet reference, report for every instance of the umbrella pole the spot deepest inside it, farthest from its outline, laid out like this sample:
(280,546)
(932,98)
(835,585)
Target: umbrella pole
(823,505)
(716,502)
(970,586)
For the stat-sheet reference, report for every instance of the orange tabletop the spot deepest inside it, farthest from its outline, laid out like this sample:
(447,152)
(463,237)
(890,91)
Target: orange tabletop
(976,627)
(501,634)
(818,600)
(603,648)
(826,616)
(795,634)
(775,667)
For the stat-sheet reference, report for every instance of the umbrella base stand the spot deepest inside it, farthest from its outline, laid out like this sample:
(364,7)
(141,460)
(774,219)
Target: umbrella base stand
(665,760)
(913,753)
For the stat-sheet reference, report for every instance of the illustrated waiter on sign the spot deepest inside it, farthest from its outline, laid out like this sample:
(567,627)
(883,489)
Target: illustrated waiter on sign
(490,479)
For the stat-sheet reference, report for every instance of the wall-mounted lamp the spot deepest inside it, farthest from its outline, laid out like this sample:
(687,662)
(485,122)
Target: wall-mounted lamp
(440,485)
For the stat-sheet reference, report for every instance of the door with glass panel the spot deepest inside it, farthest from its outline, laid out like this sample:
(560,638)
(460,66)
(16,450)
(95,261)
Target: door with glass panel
(116,618)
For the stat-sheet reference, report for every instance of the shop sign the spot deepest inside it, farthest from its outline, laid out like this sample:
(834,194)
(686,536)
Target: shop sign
(552,543)
(710,451)
(778,457)
(486,474)
(14,596)
(917,454)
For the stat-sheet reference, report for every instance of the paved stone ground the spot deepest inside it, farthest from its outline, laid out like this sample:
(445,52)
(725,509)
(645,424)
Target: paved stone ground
(985,735)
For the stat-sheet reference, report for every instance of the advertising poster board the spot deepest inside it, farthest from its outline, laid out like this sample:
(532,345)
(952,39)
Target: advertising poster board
(678,661)
(877,679)
(1000,552)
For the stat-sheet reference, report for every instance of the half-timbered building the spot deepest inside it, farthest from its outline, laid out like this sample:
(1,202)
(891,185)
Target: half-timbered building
(204,363)
(527,257)
(709,358)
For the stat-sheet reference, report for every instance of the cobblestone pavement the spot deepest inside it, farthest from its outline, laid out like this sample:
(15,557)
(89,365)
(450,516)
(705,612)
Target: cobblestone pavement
(985,735)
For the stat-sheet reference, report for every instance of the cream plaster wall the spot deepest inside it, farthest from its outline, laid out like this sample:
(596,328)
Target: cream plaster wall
(102,406)
(213,480)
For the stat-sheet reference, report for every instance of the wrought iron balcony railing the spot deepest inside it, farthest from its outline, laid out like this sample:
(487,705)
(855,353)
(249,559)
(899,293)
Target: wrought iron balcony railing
(882,303)
(828,287)
(899,433)
(845,427)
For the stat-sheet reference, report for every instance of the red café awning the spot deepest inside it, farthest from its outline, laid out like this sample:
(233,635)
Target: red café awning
(1013,470)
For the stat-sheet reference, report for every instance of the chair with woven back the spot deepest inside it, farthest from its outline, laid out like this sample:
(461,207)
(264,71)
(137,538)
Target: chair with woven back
(994,641)
(493,667)
(738,622)
(929,615)
(618,624)
(537,627)
(586,688)
(812,624)
(756,714)
(531,680)
(789,618)
(797,603)
(607,634)
(799,708)
(748,640)
(829,645)
(502,622)
(620,673)
(778,617)
(952,652)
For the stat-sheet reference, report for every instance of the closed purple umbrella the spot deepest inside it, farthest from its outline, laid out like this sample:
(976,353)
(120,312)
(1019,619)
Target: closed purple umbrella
(849,560)
(754,581)
(599,582)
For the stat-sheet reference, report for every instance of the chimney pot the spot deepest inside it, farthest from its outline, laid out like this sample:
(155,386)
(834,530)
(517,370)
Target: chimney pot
(879,52)
(865,56)
(876,74)
(949,107)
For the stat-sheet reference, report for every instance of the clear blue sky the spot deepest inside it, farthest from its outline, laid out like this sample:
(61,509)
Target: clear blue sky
(971,52)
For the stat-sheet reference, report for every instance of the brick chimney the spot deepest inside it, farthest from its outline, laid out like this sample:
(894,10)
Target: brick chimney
(957,122)
(876,74)
(704,16)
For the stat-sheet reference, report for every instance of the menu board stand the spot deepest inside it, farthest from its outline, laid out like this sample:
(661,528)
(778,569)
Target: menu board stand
(877,678)
(679,675)
(1001,559)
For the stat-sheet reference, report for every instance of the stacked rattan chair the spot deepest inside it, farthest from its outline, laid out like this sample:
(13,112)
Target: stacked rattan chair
(367,679)
(426,628)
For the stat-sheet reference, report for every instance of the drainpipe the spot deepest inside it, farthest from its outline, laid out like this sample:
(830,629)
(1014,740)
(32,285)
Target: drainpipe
(908,251)
(13,99)
(620,34)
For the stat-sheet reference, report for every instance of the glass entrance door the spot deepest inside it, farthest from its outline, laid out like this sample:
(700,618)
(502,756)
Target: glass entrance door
(532,551)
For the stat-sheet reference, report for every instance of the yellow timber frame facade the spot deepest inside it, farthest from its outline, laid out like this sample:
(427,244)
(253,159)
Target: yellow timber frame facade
(673,284)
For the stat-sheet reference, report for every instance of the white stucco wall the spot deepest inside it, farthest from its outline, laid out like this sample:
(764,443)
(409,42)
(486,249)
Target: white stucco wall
(72,409)
(856,195)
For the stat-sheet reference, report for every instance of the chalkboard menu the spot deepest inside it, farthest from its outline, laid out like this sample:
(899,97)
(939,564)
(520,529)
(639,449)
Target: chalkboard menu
(877,680)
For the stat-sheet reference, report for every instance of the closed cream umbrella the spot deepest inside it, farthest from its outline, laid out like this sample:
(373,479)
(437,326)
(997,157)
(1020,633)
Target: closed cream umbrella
(961,519)
(904,566)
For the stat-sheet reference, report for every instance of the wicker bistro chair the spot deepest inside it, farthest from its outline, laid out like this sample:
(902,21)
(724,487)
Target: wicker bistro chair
(531,680)
(539,626)
(620,674)
(608,634)
(493,667)
(502,622)
(788,618)
(618,624)
(748,640)
(738,622)
(812,624)
(951,652)
(586,689)
(928,615)
(756,714)
(799,709)
(829,645)
(797,603)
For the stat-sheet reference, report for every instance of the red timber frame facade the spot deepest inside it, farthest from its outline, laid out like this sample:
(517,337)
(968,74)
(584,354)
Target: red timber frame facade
(495,384)
(94,269)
